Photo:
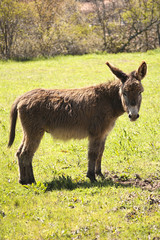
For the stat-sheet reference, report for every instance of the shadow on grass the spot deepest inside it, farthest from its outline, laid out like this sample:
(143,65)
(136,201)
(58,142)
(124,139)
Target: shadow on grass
(66,182)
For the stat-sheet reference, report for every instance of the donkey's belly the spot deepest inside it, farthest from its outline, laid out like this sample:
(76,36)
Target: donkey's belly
(66,134)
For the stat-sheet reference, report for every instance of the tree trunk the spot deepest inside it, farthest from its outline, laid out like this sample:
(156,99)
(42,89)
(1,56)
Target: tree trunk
(158,33)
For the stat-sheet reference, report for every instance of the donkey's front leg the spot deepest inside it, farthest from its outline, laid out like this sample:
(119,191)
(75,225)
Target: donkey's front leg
(94,152)
(99,159)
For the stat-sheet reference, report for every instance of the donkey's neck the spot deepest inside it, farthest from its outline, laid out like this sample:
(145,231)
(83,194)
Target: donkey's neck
(113,96)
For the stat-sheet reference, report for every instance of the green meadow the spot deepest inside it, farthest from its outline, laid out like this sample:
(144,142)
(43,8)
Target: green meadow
(64,204)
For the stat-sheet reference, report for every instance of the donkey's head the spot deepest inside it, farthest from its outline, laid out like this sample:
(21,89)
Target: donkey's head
(131,89)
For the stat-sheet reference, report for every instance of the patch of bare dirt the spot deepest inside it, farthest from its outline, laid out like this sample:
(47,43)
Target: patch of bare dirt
(150,184)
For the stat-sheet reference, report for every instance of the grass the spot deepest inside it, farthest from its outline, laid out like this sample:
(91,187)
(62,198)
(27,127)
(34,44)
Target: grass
(64,204)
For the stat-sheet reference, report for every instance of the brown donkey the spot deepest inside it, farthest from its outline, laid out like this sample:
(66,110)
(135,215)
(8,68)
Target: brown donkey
(75,113)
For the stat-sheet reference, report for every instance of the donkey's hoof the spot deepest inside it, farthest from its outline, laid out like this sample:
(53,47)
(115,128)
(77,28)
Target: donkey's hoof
(23,182)
(91,176)
(99,174)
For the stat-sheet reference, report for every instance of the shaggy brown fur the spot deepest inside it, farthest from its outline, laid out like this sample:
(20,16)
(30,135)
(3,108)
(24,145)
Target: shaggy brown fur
(75,113)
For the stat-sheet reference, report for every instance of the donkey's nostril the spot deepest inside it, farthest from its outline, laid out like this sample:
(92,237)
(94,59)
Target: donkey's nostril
(133,117)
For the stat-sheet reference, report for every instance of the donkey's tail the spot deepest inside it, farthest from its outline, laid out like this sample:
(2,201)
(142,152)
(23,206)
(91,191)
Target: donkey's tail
(13,117)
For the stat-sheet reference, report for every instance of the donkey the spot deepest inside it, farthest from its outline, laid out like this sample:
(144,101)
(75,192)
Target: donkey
(75,113)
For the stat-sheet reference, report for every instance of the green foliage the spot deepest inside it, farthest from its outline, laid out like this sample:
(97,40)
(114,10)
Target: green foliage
(64,204)
(37,28)
(12,13)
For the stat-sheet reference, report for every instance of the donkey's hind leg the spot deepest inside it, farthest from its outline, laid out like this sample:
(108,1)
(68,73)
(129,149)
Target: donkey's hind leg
(25,154)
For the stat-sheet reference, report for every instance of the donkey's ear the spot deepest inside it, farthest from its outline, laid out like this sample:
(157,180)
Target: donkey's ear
(121,75)
(142,70)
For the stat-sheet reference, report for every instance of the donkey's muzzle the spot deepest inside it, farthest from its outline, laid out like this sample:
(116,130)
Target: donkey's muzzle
(133,117)
(133,113)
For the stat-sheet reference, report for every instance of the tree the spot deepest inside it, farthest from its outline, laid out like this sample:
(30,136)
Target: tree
(47,12)
(128,25)
(139,17)
(11,14)
(157,3)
